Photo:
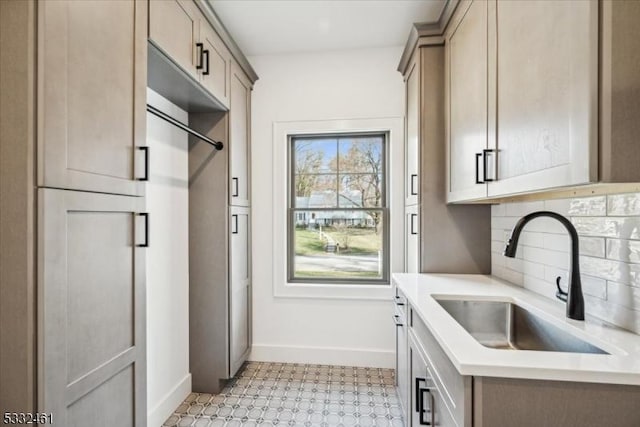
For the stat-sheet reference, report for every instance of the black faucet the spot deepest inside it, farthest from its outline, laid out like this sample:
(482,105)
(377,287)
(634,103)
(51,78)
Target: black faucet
(574,297)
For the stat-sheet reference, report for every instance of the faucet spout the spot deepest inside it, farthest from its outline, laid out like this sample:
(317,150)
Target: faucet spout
(573,297)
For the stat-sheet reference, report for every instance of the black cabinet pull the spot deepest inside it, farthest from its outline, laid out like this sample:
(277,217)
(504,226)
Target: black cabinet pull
(146,163)
(478,155)
(206,70)
(418,388)
(234,229)
(399,300)
(413,189)
(235,187)
(413,231)
(484,165)
(199,47)
(422,411)
(397,321)
(146,230)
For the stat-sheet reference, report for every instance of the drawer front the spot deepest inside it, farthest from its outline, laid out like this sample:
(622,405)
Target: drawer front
(402,369)
(455,389)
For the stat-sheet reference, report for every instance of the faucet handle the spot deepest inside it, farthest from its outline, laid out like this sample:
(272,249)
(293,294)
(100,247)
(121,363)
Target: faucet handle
(561,295)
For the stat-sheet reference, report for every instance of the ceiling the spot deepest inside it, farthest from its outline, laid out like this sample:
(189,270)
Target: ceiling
(274,27)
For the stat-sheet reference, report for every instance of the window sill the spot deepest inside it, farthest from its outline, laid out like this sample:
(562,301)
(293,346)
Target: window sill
(362,292)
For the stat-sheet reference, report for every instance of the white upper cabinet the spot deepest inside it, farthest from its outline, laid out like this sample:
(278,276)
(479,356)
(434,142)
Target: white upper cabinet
(534,89)
(180,29)
(547,73)
(467,59)
(412,148)
(239,138)
(91,106)
(174,26)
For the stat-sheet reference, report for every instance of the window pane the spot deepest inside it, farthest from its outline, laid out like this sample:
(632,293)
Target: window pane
(361,190)
(338,244)
(314,155)
(315,191)
(361,155)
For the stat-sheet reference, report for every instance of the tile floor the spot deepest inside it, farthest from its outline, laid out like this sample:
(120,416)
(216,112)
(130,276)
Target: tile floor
(280,394)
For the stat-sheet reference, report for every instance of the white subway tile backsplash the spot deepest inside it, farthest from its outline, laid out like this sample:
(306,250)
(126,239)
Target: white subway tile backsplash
(528,238)
(624,204)
(594,286)
(539,286)
(498,210)
(546,257)
(626,296)
(623,250)
(545,225)
(503,222)
(613,313)
(588,206)
(522,208)
(605,268)
(560,206)
(592,246)
(533,269)
(609,229)
(622,228)
(497,235)
(556,242)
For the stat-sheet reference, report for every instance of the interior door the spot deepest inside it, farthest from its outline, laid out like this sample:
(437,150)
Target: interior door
(239,137)
(467,77)
(240,289)
(91,305)
(92,77)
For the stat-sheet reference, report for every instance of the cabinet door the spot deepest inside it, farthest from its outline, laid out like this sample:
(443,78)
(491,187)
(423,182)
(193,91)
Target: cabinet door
(427,406)
(216,64)
(547,67)
(467,101)
(174,27)
(239,137)
(412,147)
(412,240)
(402,358)
(91,296)
(240,288)
(91,95)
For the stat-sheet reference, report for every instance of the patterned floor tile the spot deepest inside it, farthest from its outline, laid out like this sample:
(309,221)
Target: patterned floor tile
(280,394)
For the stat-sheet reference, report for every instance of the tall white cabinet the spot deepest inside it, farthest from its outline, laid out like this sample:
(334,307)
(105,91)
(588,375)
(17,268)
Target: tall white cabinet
(78,96)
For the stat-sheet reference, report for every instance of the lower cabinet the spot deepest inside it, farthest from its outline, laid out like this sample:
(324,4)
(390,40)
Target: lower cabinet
(91,297)
(402,358)
(427,407)
(438,395)
(240,289)
(412,239)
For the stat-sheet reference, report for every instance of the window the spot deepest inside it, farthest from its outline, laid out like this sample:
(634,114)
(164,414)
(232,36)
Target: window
(338,211)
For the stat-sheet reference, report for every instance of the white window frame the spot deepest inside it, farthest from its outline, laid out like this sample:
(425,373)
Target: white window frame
(282,131)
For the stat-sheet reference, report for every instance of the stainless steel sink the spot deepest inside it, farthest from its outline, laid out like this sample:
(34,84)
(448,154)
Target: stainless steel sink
(505,325)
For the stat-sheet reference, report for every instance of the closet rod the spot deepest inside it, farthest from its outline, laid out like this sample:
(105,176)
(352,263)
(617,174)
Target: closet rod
(153,110)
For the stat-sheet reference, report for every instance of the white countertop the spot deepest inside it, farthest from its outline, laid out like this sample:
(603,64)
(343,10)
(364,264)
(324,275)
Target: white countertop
(622,366)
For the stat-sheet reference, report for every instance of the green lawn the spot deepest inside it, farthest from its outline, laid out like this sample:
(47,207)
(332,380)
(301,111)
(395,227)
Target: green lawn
(361,241)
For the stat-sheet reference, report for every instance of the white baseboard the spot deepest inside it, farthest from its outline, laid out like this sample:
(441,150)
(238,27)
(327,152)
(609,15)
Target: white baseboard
(163,410)
(371,358)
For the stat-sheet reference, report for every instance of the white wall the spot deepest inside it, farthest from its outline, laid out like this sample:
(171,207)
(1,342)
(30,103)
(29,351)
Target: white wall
(609,230)
(168,378)
(356,84)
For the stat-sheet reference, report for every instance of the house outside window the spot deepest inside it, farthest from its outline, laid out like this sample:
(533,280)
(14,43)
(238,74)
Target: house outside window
(338,209)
